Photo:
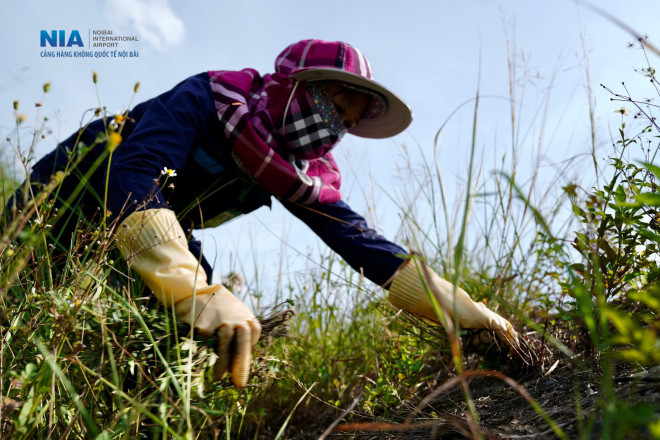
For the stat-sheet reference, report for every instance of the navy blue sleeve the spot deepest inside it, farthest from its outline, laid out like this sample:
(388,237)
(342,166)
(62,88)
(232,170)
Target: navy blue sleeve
(167,128)
(348,234)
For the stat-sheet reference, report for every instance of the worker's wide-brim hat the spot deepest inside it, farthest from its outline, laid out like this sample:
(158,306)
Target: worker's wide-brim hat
(316,60)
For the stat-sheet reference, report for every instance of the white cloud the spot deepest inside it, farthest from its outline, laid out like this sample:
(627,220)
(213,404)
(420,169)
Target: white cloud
(154,21)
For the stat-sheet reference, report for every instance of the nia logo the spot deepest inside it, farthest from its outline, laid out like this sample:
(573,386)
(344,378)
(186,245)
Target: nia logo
(58,38)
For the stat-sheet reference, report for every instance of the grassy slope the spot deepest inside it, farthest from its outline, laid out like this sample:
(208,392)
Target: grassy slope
(86,353)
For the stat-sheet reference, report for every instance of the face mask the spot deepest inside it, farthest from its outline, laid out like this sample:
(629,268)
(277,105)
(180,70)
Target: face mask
(312,127)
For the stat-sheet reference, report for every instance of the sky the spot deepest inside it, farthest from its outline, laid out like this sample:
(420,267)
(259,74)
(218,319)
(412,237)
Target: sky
(436,55)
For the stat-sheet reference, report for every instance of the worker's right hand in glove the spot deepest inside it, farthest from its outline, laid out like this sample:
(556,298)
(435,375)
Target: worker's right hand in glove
(410,290)
(154,244)
(221,313)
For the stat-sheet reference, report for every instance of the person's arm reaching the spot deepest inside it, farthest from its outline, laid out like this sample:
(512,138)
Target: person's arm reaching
(348,234)
(411,282)
(150,237)
(154,244)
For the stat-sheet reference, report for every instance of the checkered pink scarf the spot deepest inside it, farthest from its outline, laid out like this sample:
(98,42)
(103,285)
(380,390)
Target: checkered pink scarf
(251,109)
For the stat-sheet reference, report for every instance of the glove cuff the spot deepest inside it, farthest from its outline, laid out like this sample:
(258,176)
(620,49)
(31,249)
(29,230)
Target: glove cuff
(143,230)
(155,246)
(409,291)
(415,281)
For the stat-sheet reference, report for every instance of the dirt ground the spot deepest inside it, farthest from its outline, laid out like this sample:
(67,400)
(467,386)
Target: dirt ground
(505,413)
(568,390)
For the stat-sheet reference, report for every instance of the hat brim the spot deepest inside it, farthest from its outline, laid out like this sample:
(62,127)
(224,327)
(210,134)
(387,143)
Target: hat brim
(397,117)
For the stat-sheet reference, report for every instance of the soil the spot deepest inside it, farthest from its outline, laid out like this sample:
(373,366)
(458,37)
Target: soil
(568,390)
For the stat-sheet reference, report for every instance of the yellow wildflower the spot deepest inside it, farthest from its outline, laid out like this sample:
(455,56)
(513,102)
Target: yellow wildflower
(114,139)
(58,177)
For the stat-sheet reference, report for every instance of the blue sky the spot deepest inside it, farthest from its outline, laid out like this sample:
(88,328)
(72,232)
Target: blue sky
(434,54)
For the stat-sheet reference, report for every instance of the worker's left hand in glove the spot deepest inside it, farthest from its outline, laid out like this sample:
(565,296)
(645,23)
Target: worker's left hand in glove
(413,284)
(154,243)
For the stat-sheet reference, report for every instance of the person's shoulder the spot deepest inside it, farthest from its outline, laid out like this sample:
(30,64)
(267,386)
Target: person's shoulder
(196,85)
(196,80)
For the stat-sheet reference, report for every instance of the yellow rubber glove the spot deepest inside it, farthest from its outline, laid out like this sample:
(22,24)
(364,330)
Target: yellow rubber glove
(414,279)
(222,313)
(154,244)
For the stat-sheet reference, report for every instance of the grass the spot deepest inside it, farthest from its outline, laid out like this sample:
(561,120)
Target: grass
(85,352)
